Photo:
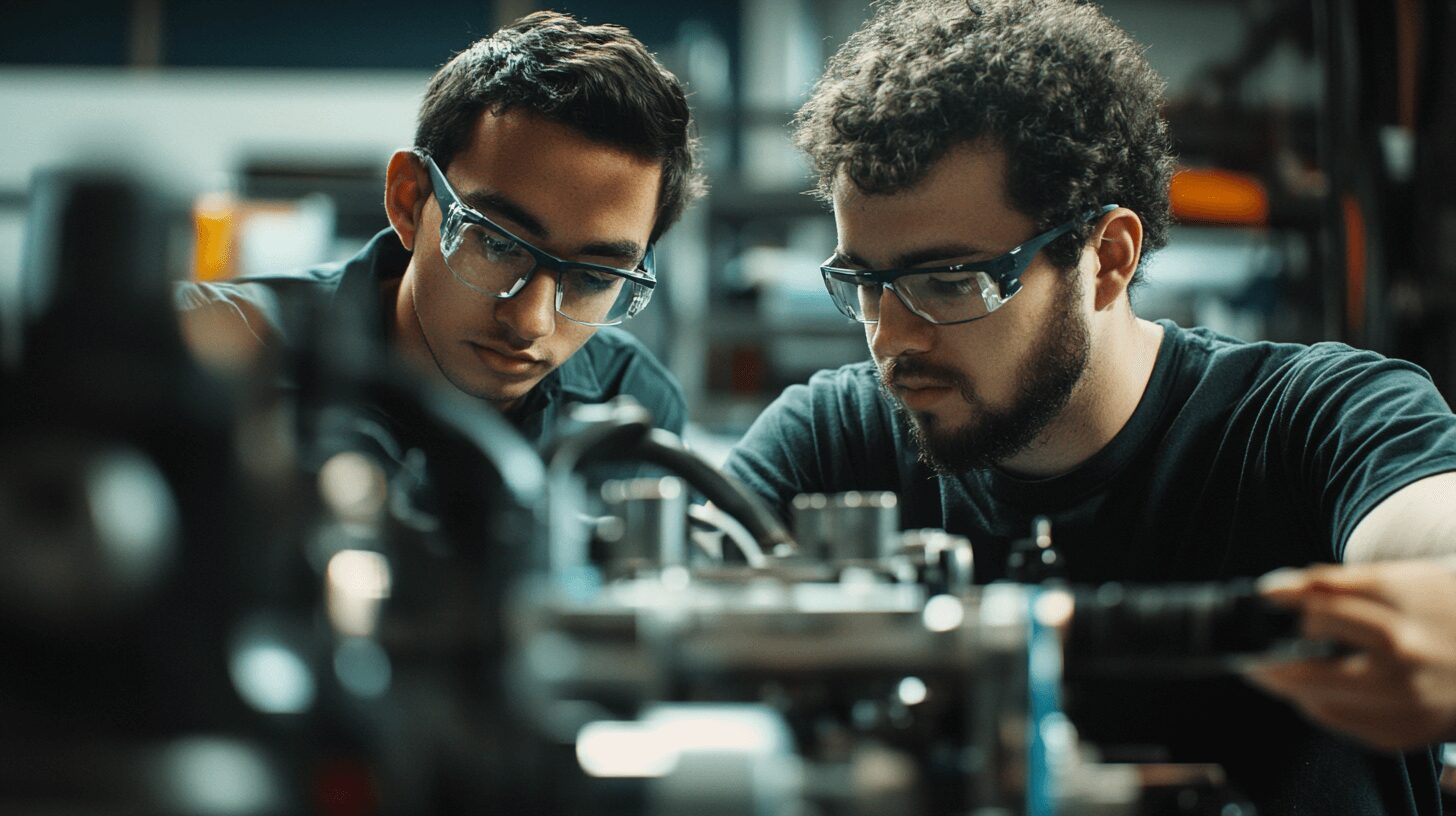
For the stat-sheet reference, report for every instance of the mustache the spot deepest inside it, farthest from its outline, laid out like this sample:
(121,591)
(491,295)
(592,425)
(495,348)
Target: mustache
(897,369)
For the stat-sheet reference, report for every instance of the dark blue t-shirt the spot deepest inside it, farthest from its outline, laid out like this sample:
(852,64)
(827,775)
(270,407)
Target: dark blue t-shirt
(1239,459)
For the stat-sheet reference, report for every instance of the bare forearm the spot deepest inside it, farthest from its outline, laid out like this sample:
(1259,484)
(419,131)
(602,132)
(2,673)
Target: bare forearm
(1417,521)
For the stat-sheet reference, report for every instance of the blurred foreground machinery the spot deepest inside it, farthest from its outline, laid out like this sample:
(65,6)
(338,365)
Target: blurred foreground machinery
(358,594)
(123,522)
(193,569)
(856,670)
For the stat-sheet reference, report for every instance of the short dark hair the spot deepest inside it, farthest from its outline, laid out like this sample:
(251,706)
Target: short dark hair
(597,79)
(1056,85)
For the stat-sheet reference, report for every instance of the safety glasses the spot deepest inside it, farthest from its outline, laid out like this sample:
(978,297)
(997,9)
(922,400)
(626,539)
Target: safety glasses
(493,261)
(943,295)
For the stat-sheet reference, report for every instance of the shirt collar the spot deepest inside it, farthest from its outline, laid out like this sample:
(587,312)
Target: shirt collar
(577,377)
(384,257)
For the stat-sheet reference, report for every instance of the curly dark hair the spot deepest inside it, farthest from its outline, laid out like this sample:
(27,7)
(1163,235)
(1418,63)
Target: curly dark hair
(1063,91)
(597,79)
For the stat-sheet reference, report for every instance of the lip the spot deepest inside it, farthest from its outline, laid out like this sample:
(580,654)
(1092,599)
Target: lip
(921,397)
(506,363)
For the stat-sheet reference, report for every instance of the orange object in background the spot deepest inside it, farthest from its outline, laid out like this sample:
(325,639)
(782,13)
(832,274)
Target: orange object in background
(1218,197)
(1354,263)
(238,236)
(212,217)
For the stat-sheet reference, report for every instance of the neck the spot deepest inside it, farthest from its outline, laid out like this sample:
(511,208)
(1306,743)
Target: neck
(1119,366)
(409,339)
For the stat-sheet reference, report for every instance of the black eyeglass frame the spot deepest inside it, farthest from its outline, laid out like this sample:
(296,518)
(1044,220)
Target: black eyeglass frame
(456,214)
(1004,270)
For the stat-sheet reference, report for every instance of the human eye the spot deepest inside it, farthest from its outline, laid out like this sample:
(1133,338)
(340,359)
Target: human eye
(498,248)
(591,281)
(950,284)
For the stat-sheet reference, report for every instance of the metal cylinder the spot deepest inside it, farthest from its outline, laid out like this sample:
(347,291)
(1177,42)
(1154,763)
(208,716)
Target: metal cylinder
(653,529)
(851,526)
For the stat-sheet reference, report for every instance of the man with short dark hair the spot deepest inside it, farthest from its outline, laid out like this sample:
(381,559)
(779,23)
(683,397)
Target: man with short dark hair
(548,159)
(998,171)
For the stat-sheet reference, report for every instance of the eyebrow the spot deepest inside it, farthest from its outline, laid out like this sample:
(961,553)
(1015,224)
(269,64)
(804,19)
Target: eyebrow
(490,202)
(917,257)
(625,250)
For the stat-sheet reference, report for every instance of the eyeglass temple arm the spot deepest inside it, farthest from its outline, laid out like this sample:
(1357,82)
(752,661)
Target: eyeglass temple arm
(1009,279)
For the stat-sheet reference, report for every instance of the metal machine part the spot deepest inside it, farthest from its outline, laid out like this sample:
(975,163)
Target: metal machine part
(127,542)
(957,688)
(93,528)
(864,642)
(960,694)
(944,563)
(621,430)
(216,603)
(1034,560)
(649,526)
(846,527)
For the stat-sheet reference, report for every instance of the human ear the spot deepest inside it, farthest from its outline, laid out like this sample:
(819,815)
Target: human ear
(1117,242)
(406,189)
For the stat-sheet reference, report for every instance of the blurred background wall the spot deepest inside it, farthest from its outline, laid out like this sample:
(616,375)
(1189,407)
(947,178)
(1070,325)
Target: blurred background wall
(1315,135)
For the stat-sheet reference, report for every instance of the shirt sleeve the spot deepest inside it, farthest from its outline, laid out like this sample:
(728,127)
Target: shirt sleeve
(671,411)
(1359,427)
(831,435)
(254,306)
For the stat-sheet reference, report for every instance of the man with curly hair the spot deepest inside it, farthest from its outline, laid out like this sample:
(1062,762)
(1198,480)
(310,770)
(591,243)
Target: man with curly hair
(549,157)
(999,172)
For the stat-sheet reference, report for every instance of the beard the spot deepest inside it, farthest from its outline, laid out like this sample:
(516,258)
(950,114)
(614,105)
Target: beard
(1052,370)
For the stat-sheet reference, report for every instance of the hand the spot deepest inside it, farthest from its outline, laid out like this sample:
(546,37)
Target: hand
(1398,690)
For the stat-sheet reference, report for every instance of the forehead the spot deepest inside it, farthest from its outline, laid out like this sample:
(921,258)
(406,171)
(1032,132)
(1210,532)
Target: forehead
(580,189)
(961,201)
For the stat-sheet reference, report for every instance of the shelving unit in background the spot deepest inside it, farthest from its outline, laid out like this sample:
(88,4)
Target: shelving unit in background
(749,315)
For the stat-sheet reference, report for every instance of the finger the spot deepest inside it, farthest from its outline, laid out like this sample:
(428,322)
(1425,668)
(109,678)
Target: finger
(1289,584)
(1354,679)
(1292,678)
(1381,579)
(1284,586)
(1352,619)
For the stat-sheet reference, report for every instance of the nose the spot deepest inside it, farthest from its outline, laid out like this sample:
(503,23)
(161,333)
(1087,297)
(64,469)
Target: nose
(531,314)
(899,331)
